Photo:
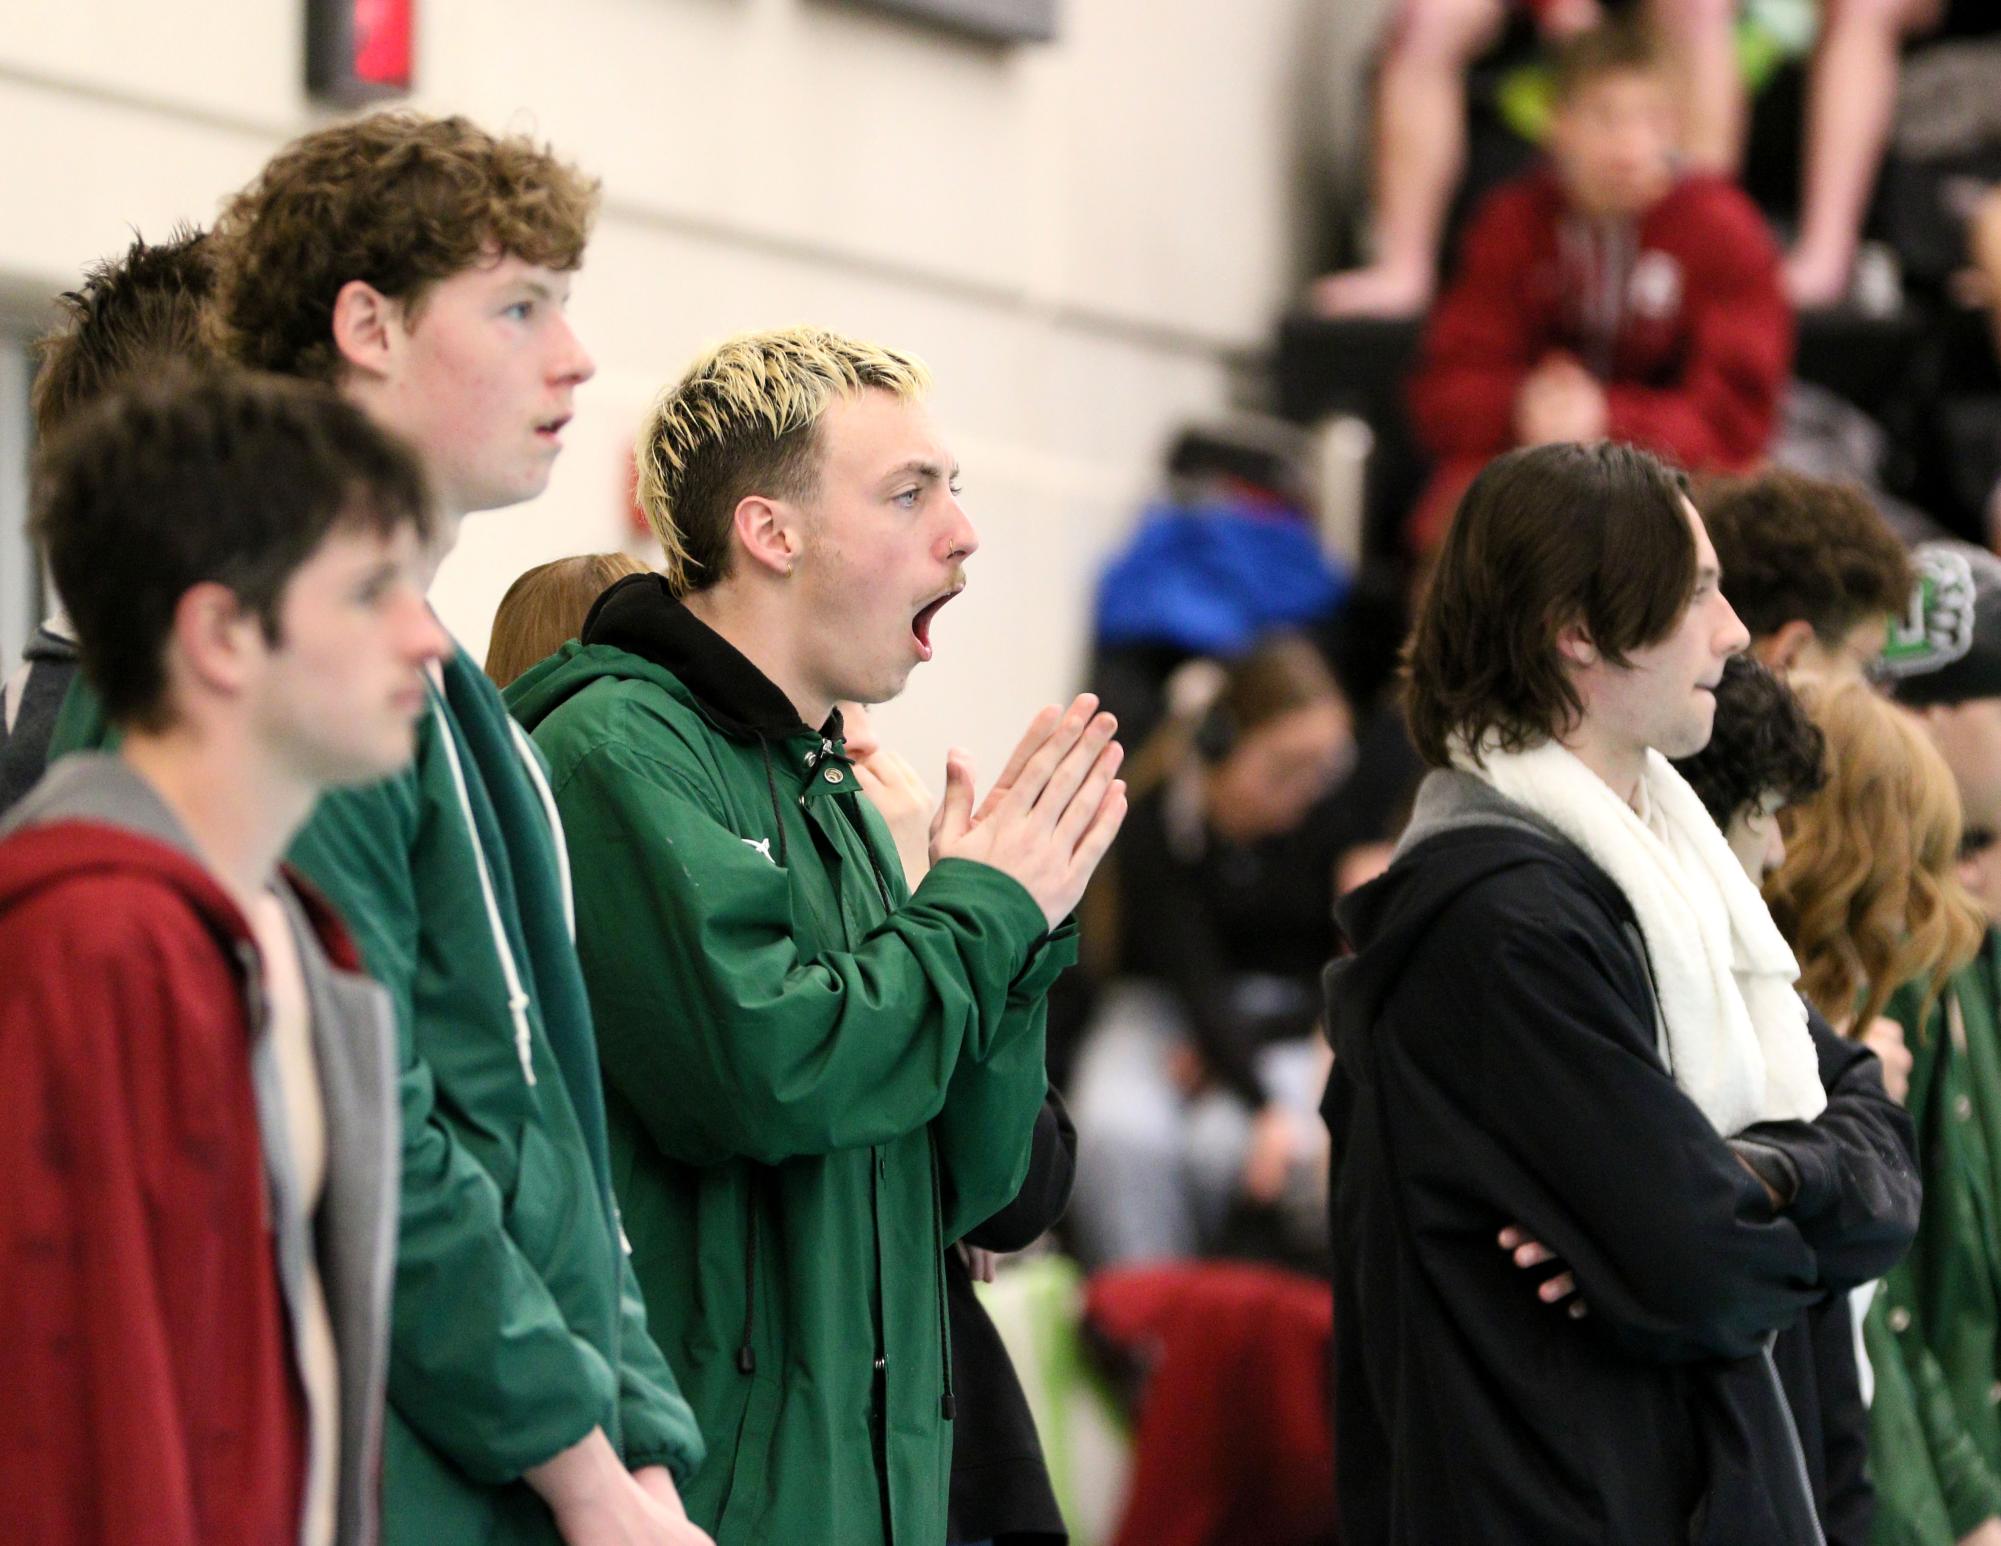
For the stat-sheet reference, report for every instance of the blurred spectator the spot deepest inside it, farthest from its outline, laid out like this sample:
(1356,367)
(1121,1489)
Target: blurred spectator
(1934,1338)
(545,608)
(1196,1085)
(1810,567)
(1228,553)
(1609,295)
(1420,143)
(132,314)
(1851,95)
(1233,1443)
(1865,891)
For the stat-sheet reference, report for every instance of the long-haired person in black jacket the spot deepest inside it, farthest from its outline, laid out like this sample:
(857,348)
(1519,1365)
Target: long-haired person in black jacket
(1569,1038)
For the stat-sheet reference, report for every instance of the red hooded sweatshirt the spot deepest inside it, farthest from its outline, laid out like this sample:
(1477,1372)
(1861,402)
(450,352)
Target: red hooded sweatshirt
(147,1391)
(1679,313)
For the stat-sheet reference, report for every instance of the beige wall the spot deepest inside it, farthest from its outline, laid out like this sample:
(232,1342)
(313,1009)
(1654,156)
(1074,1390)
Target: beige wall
(1079,237)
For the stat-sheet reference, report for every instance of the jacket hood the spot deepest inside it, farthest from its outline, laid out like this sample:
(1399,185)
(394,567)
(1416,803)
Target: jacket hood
(638,631)
(91,814)
(1461,833)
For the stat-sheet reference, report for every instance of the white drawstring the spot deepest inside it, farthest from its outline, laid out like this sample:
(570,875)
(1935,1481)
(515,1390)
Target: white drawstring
(517,996)
(529,755)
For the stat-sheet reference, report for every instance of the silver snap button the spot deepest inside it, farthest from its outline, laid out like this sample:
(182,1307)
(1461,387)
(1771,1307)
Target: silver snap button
(832,775)
(1900,1319)
(1963,1107)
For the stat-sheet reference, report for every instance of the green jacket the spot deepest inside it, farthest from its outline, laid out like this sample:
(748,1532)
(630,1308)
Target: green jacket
(815,1079)
(517,1325)
(1934,1330)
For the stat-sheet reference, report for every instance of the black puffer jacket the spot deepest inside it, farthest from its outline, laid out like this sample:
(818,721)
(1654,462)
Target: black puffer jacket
(1496,1064)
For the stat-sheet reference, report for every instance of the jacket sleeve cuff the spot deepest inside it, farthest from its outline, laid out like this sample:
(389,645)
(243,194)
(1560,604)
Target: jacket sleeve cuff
(998,898)
(659,1429)
(1056,953)
(681,1461)
(1772,1165)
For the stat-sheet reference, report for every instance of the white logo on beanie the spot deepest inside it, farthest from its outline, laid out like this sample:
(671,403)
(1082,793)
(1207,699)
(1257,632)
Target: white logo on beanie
(1937,626)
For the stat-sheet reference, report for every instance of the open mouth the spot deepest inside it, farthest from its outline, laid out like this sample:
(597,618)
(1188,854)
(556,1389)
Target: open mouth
(549,429)
(920,625)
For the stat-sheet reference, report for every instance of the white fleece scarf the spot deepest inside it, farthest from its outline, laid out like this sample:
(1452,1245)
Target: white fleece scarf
(1736,1029)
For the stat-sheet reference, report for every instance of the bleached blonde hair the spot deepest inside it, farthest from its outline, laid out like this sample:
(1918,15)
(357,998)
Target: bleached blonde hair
(742,422)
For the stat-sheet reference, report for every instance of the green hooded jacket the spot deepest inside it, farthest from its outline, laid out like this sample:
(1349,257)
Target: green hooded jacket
(516,1325)
(815,1079)
(1933,1332)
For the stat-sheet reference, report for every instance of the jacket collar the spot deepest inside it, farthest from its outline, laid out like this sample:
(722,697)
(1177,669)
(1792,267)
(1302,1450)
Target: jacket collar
(640,616)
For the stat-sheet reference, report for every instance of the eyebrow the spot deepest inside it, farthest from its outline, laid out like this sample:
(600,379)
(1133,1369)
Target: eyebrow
(930,472)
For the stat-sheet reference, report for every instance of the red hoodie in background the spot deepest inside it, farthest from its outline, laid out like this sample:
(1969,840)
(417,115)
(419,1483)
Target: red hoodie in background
(1680,313)
(147,1391)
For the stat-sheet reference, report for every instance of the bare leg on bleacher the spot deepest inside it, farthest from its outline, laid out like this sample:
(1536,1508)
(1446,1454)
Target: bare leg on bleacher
(1851,93)
(1419,153)
(1699,42)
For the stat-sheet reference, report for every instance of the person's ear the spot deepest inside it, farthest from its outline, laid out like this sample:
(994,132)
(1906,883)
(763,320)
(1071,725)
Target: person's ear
(768,532)
(365,325)
(1574,645)
(1781,651)
(214,639)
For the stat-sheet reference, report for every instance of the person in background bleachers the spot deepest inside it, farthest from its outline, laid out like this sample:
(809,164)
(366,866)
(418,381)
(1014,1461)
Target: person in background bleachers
(545,607)
(1935,1333)
(1194,1088)
(1851,96)
(199,1123)
(1608,296)
(132,314)
(1811,567)
(1420,131)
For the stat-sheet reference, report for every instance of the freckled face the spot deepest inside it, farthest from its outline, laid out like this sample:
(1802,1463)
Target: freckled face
(482,381)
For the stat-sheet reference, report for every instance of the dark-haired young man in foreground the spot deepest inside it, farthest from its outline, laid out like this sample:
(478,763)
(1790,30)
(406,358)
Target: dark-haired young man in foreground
(1570,1030)
(132,315)
(421,267)
(198,1124)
